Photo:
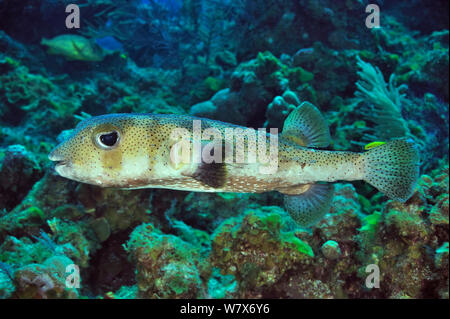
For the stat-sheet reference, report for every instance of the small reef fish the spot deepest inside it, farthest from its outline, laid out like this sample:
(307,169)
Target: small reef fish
(109,43)
(137,151)
(74,47)
(373,144)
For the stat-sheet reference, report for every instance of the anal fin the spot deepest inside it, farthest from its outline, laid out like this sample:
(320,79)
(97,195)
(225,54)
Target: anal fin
(309,207)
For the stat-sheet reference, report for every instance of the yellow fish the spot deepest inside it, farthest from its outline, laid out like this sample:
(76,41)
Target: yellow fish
(373,144)
(195,154)
(74,47)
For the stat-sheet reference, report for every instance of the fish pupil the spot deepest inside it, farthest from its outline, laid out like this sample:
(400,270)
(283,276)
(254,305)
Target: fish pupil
(109,139)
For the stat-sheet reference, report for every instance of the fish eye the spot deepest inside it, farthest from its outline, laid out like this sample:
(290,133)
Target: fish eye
(108,140)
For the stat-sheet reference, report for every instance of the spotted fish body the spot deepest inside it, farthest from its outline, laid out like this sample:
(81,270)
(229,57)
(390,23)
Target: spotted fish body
(141,157)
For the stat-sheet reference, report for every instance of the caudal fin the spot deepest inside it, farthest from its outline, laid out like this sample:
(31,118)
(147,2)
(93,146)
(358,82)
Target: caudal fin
(393,168)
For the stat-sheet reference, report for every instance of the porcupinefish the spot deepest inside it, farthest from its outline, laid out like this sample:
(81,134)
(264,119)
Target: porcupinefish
(74,47)
(166,151)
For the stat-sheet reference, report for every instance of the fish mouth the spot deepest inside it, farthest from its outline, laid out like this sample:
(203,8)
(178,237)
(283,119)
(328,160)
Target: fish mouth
(63,166)
(60,164)
(59,161)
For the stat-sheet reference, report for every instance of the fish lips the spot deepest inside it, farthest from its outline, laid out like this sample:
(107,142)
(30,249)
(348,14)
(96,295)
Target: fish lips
(58,159)
(63,168)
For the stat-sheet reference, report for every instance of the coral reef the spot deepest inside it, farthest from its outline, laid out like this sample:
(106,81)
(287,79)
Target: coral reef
(247,62)
(19,170)
(242,247)
(44,281)
(252,86)
(166,267)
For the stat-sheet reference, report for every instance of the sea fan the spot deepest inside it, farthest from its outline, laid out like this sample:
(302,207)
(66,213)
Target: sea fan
(383,103)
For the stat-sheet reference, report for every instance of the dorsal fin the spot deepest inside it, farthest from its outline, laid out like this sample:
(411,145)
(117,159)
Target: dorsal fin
(307,127)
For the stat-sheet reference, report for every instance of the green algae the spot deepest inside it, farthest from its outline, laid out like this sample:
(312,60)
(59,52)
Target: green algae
(299,244)
(444,249)
(207,88)
(298,76)
(221,286)
(370,223)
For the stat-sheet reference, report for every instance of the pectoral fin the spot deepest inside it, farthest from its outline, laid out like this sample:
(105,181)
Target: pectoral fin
(80,50)
(213,174)
(309,207)
(212,169)
(77,48)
